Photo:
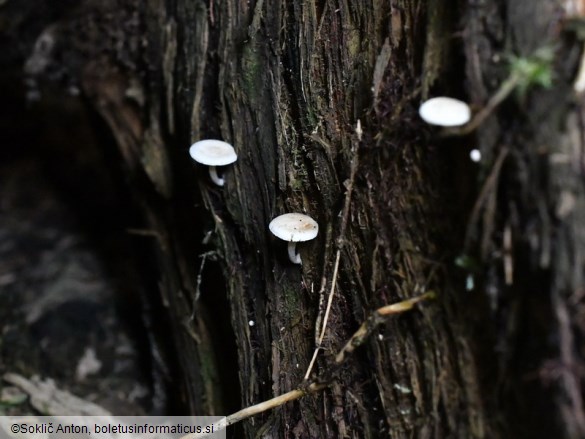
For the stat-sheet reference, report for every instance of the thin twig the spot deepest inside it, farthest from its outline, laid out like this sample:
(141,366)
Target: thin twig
(356,340)
(330,299)
(579,83)
(340,242)
(375,319)
(273,403)
(488,186)
(256,409)
(312,363)
(503,92)
(197,294)
(508,255)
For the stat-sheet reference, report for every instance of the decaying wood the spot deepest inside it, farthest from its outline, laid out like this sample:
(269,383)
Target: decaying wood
(286,83)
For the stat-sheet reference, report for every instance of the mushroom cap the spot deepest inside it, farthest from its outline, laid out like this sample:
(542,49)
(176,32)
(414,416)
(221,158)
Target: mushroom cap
(213,152)
(294,227)
(446,112)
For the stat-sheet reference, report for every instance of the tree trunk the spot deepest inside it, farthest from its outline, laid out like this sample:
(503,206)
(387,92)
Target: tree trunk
(537,206)
(288,84)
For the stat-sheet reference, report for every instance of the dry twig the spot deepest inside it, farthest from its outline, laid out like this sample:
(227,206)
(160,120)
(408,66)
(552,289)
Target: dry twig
(487,189)
(340,243)
(503,92)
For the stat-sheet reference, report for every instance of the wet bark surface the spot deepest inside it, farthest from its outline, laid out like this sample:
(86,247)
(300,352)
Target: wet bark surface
(286,84)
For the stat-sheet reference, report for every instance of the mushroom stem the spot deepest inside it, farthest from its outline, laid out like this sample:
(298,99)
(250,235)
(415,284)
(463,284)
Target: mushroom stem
(294,257)
(216,178)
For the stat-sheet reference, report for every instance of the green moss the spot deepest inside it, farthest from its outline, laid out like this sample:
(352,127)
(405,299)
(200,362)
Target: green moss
(251,69)
(292,303)
(297,185)
(300,173)
(311,117)
(354,43)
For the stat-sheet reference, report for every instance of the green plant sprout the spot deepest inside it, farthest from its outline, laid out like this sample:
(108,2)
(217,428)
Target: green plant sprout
(471,266)
(534,71)
(468,263)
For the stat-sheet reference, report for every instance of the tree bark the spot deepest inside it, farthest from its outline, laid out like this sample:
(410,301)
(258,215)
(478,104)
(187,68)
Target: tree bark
(287,84)
(538,203)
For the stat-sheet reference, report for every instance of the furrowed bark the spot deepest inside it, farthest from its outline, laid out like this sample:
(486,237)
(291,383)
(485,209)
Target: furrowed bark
(286,83)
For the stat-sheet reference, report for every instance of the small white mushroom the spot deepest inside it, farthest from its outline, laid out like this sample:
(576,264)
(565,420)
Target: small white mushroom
(213,153)
(446,112)
(475,155)
(294,227)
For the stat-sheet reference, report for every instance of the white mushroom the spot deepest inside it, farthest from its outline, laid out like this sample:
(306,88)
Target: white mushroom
(475,155)
(446,112)
(213,153)
(294,227)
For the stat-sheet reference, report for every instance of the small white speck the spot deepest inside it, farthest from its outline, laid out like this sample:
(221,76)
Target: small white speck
(297,365)
(358,129)
(73,90)
(475,155)
(251,323)
(469,282)
(380,337)
(402,389)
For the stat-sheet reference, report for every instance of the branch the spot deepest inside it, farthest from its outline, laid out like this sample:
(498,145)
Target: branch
(503,92)
(376,319)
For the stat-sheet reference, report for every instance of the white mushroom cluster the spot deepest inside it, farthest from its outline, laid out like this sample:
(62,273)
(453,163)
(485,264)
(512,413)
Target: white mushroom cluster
(213,153)
(291,227)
